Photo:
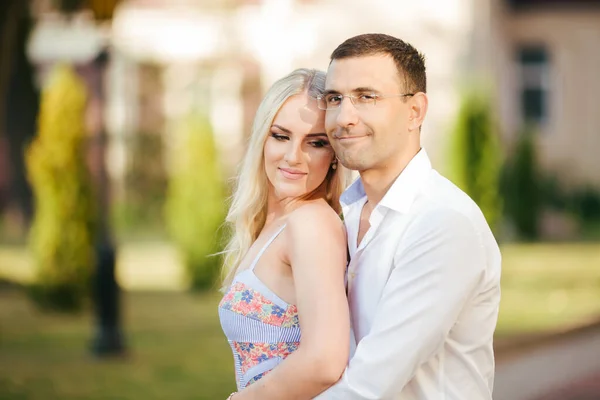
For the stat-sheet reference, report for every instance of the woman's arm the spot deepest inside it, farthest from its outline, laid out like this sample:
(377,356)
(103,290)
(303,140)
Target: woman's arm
(317,254)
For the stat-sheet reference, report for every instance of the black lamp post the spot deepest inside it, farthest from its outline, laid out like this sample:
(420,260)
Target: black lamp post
(108,338)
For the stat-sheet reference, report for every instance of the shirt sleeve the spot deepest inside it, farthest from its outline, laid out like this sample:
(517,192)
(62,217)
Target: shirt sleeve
(436,269)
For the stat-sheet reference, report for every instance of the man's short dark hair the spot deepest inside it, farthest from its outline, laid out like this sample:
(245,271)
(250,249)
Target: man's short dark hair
(409,62)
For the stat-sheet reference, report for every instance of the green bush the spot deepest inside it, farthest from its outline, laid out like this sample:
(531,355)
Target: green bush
(475,157)
(585,203)
(554,195)
(62,233)
(195,206)
(523,186)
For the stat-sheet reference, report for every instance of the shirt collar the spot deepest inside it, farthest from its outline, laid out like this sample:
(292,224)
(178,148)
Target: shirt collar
(403,191)
(353,193)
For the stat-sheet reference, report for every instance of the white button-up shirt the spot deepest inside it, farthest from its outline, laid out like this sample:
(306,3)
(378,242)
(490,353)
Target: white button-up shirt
(424,292)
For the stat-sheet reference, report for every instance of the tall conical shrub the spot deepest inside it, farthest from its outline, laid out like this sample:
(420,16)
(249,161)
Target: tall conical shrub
(475,156)
(62,233)
(522,186)
(195,207)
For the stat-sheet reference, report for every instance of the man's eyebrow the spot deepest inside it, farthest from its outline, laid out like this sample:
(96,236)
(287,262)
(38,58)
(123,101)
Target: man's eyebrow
(316,134)
(283,129)
(363,89)
(329,91)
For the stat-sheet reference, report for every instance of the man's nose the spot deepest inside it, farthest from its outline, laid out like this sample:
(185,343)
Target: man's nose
(347,114)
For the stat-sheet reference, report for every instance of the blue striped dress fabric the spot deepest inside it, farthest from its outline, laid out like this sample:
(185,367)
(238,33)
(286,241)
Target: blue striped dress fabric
(260,327)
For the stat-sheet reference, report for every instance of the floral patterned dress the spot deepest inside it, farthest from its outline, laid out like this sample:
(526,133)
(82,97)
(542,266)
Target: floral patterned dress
(261,328)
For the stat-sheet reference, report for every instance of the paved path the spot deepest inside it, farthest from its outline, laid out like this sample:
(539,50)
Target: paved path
(585,389)
(563,369)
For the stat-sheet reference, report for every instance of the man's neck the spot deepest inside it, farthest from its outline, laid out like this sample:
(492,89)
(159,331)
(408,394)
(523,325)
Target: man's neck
(377,181)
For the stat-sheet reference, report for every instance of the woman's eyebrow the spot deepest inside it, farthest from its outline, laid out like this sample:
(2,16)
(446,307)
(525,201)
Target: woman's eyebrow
(282,128)
(323,134)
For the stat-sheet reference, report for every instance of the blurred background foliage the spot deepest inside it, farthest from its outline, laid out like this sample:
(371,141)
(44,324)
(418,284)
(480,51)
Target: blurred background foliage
(476,155)
(522,186)
(195,206)
(62,233)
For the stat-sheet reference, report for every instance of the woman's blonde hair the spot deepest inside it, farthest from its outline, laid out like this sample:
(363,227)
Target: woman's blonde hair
(248,210)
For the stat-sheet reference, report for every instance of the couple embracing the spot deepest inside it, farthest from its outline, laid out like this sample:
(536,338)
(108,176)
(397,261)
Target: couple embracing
(399,298)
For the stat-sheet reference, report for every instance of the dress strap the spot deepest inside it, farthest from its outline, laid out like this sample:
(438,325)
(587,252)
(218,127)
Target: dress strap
(260,253)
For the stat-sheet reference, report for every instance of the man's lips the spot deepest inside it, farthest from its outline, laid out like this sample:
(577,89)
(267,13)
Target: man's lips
(343,134)
(350,138)
(292,173)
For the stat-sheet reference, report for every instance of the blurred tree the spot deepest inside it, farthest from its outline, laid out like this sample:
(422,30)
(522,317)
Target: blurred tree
(475,158)
(19,98)
(102,9)
(63,232)
(70,6)
(195,207)
(522,185)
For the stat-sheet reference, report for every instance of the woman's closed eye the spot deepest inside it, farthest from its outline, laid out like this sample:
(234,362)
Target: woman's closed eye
(319,143)
(279,136)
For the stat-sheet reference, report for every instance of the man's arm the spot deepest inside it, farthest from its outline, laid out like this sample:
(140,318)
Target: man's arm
(436,270)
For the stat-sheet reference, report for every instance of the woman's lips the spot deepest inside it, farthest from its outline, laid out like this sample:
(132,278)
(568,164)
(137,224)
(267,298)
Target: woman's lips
(292,174)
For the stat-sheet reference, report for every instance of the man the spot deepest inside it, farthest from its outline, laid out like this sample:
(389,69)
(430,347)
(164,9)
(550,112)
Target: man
(424,275)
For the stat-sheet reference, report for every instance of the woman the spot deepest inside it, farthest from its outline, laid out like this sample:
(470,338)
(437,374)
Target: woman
(285,263)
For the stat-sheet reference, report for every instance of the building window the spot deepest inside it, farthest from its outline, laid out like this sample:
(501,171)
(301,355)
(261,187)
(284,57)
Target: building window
(547,4)
(534,74)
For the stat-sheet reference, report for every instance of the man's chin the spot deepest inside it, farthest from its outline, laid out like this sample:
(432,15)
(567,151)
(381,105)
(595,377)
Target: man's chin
(353,164)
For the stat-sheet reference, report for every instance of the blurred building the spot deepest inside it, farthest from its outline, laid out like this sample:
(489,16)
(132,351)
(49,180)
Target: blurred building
(544,56)
(539,60)
(170,56)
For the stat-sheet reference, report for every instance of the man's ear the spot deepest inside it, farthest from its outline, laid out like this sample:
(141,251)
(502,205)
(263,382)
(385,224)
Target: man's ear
(418,109)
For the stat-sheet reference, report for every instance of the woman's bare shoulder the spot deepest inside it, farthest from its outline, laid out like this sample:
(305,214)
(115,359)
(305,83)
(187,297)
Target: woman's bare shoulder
(316,215)
(314,222)
(316,232)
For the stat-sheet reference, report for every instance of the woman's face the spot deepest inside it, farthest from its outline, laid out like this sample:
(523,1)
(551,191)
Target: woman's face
(297,152)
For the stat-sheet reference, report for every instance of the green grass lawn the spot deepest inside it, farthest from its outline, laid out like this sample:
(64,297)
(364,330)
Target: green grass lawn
(176,346)
(548,287)
(176,351)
